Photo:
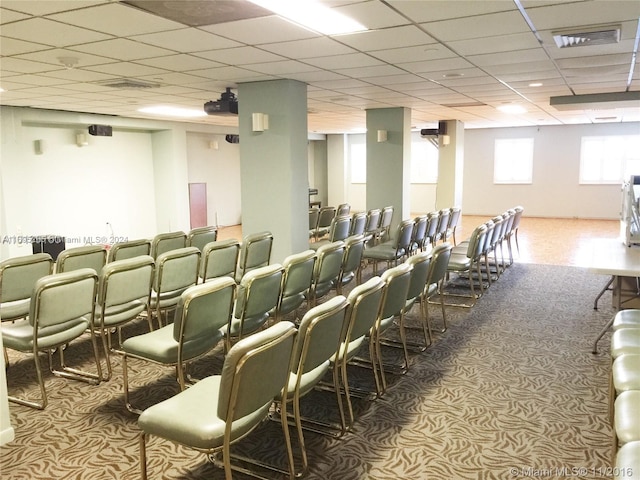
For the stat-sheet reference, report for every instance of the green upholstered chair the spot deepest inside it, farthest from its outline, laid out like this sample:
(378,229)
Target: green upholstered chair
(351,262)
(296,281)
(326,271)
(372,225)
(129,249)
(199,237)
(325,217)
(466,259)
(219,259)
(339,230)
(443,224)
(455,215)
(167,241)
(202,313)
(255,252)
(61,310)
(176,270)
(627,461)
(420,263)
(626,423)
(517,217)
(18,276)
(343,209)
(314,214)
(432,227)
(124,291)
(222,409)
(88,256)
(419,234)
(358,223)
(391,251)
(436,279)
(258,295)
(319,336)
(364,302)
(383,230)
(396,280)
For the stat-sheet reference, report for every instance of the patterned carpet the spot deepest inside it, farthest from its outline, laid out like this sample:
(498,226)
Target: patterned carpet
(510,390)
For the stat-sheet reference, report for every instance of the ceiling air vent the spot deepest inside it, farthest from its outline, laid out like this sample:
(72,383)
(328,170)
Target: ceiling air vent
(600,35)
(128,84)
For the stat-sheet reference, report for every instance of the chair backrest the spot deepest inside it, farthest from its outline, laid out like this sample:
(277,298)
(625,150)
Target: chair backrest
(314,214)
(343,209)
(201,312)
(358,223)
(421,263)
(364,301)
(89,256)
(129,249)
(176,269)
(220,259)
(296,280)
(255,371)
(255,252)
(475,247)
(60,298)
(443,223)
(18,275)
(352,257)
(440,256)
(124,281)
(385,218)
(373,220)
(419,231)
(319,335)
(433,218)
(259,291)
(326,215)
(518,215)
(165,242)
(397,280)
(199,237)
(328,263)
(404,234)
(455,213)
(340,228)
(498,225)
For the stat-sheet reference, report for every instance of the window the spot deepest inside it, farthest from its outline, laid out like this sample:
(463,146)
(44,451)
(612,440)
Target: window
(513,160)
(358,154)
(424,162)
(609,160)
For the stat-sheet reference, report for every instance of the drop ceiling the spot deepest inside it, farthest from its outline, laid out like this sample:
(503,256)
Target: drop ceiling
(441,59)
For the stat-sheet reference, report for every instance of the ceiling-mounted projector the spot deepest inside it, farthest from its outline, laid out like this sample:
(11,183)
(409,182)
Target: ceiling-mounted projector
(226,105)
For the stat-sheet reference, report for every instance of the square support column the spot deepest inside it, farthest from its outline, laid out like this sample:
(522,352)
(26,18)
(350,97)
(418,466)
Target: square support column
(450,166)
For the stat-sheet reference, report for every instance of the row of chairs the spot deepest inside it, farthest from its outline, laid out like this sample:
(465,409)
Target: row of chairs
(482,256)
(329,223)
(624,393)
(281,364)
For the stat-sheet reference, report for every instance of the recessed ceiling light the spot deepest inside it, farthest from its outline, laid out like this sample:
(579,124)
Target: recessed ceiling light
(173,111)
(1,90)
(453,75)
(535,84)
(512,108)
(313,15)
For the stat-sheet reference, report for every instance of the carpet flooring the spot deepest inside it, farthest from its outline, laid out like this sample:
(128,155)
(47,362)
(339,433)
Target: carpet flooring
(510,390)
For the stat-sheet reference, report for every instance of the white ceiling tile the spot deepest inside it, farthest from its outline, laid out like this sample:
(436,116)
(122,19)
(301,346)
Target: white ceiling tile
(49,6)
(8,16)
(488,25)
(420,53)
(422,11)
(179,63)
(504,58)
(48,32)
(240,56)
(352,60)
(282,68)
(447,64)
(256,31)
(186,40)
(122,49)
(387,38)
(19,65)
(565,15)
(53,56)
(373,71)
(11,46)
(501,43)
(126,69)
(373,15)
(308,48)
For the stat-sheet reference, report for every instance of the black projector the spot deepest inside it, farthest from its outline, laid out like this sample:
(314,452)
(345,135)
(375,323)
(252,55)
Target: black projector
(100,130)
(226,105)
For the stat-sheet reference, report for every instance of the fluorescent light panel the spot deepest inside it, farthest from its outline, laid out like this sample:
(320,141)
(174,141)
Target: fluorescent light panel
(512,109)
(312,15)
(172,111)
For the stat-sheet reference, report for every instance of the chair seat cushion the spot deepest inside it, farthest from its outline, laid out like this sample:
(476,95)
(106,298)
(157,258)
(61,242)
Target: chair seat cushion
(290,303)
(117,314)
(251,324)
(19,335)
(383,251)
(190,417)
(627,416)
(15,310)
(627,461)
(625,340)
(308,381)
(459,263)
(166,299)
(625,372)
(629,318)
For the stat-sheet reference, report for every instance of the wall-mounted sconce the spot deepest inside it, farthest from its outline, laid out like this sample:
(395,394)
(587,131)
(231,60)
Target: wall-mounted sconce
(382,136)
(260,122)
(82,140)
(38,147)
(446,140)
(213,145)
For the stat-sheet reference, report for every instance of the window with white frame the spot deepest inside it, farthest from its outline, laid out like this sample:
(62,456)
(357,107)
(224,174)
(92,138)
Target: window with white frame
(424,162)
(513,160)
(609,159)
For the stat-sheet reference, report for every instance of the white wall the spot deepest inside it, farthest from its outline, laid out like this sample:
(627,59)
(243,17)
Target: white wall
(555,191)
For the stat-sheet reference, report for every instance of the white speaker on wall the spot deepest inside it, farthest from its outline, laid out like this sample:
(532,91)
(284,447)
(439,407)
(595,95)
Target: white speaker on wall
(82,140)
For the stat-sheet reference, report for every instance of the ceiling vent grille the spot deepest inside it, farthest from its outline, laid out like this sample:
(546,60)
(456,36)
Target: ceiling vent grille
(585,37)
(128,84)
